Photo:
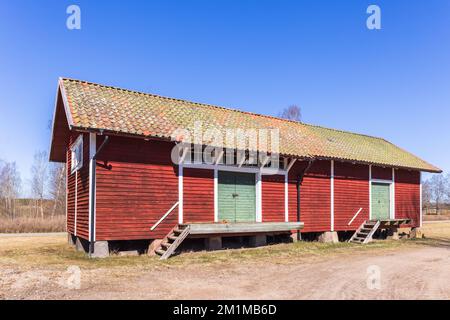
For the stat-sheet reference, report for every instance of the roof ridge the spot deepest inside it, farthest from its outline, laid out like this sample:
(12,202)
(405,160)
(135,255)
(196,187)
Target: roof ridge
(217,107)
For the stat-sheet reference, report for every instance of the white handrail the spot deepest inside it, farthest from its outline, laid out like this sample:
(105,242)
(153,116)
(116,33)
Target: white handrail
(354,217)
(164,216)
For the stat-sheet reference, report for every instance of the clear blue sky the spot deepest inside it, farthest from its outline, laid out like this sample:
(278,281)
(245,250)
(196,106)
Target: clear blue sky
(258,56)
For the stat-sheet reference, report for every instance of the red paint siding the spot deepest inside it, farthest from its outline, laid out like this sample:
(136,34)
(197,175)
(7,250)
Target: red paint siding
(381,173)
(198,194)
(407,195)
(273,190)
(315,194)
(70,207)
(82,183)
(351,192)
(136,185)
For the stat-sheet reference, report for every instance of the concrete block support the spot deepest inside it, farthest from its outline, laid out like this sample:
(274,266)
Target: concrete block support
(213,243)
(79,245)
(71,239)
(416,233)
(154,245)
(258,241)
(329,237)
(101,249)
(296,237)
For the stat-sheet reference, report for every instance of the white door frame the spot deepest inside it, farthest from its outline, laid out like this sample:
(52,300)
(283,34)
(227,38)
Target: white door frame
(391,196)
(258,195)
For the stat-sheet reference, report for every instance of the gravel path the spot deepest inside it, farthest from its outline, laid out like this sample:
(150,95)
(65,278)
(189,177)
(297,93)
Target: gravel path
(414,273)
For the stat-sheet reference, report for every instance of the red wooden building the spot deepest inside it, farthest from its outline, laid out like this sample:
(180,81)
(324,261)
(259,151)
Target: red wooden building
(123,183)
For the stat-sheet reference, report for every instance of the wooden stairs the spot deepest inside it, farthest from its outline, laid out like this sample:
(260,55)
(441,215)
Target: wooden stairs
(171,242)
(365,232)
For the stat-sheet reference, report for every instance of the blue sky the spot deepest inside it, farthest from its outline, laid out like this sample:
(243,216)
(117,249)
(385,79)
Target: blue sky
(258,56)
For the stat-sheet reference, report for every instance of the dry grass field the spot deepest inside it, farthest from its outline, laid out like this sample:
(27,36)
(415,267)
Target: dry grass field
(32,224)
(42,267)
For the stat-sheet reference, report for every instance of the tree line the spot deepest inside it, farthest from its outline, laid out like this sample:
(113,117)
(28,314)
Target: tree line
(47,187)
(436,192)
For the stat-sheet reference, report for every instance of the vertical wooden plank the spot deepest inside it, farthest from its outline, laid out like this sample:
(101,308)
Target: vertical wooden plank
(92,165)
(180,193)
(332,195)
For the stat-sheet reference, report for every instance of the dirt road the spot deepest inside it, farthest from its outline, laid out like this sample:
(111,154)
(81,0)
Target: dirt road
(416,271)
(414,274)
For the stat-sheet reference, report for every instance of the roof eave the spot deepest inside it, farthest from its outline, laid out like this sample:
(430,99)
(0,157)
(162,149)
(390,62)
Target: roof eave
(60,91)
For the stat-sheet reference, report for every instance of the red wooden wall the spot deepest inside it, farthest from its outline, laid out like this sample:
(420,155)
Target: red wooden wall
(136,185)
(351,192)
(70,192)
(381,173)
(407,195)
(315,204)
(82,192)
(198,195)
(273,190)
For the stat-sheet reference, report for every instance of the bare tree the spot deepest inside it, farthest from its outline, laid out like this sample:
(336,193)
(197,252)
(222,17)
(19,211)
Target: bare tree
(426,194)
(57,183)
(292,112)
(39,179)
(9,187)
(439,190)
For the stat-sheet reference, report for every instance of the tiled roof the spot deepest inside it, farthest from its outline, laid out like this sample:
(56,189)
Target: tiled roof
(94,106)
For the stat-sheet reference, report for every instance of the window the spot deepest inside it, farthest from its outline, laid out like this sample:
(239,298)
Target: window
(77,154)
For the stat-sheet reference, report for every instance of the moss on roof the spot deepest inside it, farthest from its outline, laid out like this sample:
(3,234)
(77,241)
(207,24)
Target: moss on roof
(99,107)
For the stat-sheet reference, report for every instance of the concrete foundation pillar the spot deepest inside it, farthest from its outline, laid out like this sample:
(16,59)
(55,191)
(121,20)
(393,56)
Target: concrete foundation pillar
(71,239)
(258,241)
(329,237)
(101,249)
(154,245)
(295,237)
(416,233)
(213,243)
(79,245)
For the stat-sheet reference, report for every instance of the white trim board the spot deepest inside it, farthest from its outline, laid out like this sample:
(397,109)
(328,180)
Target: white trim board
(370,191)
(92,187)
(393,194)
(180,193)
(421,200)
(286,198)
(258,176)
(216,195)
(382,181)
(75,216)
(263,171)
(332,195)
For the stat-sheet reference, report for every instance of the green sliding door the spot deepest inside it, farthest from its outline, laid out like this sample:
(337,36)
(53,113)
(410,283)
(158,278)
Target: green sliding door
(381,202)
(237,197)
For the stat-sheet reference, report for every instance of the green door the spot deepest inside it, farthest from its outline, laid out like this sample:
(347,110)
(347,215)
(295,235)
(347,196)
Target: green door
(380,201)
(237,197)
